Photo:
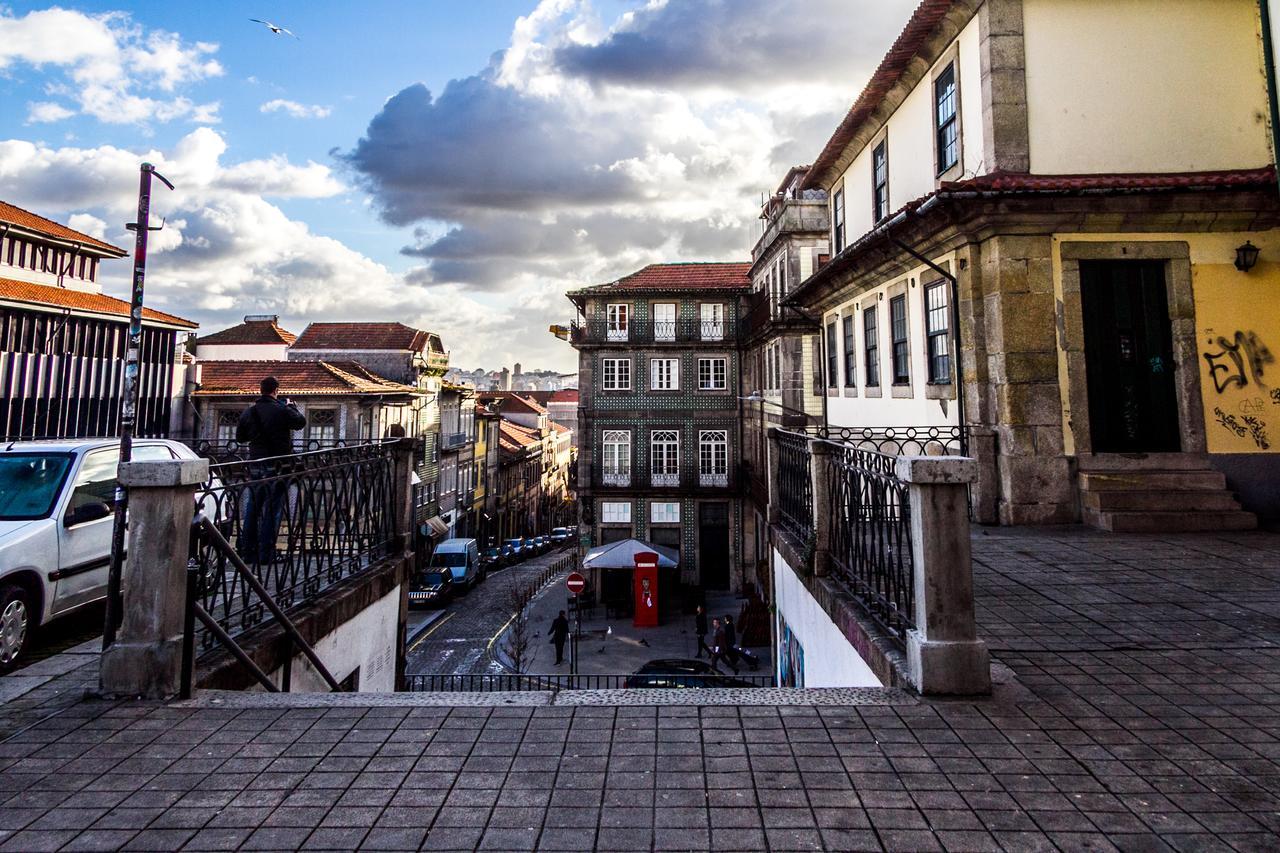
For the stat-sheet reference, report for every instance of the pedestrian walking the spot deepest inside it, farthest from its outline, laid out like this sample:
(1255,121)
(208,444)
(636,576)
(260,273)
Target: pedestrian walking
(559,633)
(267,427)
(700,628)
(718,649)
(731,641)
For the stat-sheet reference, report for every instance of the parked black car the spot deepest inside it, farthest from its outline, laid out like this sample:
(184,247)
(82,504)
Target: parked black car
(560,536)
(681,673)
(431,588)
(492,559)
(519,548)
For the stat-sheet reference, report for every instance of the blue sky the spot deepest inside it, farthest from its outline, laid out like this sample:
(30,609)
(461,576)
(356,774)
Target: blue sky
(453,165)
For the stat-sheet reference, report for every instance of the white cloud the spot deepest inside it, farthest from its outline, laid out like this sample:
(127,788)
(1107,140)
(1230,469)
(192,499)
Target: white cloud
(295,109)
(111,68)
(47,111)
(87,223)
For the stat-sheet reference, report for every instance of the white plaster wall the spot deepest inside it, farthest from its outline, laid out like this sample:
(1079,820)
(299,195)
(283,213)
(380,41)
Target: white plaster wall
(368,641)
(1144,86)
(861,410)
(241,352)
(829,660)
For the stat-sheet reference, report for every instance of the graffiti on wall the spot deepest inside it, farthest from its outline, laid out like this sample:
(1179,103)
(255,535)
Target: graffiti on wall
(1237,365)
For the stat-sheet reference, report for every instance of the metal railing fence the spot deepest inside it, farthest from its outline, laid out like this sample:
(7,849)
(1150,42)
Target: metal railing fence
(507,682)
(795,486)
(946,440)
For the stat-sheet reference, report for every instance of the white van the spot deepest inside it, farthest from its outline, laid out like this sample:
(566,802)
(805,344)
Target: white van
(462,557)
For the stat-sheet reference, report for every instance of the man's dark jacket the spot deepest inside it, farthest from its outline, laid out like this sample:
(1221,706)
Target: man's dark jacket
(730,633)
(700,624)
(266,426)
(559,629)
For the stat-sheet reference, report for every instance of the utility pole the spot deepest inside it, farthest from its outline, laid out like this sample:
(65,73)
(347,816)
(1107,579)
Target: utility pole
(129,401)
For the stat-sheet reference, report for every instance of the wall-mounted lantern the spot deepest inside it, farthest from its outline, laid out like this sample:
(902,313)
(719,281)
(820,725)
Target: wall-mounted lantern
(1247,256)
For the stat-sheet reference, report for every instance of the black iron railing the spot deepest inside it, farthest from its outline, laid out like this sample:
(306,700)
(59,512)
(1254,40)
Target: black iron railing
(795,486)
(870,533)
(218,450)
(948,440)
(654,332)
(300,523)
(508,682)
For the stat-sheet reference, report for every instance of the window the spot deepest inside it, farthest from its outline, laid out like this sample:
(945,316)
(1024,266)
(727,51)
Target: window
(946,120)
(712,374)
(837,221)
(663,512)
(937,322)
(871,347)
(769,368)
(617,322)
(712,314)
(615,512)
(713,457)
(617,374)
(322,426)
(664,374)
(880,181)
(664,446)
(616,450)
(228,420)
(898,328)
(850,364)
(664,321)
(833,360)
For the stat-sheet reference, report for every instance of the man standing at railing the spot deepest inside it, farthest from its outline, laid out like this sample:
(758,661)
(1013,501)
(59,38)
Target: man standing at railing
(267,428)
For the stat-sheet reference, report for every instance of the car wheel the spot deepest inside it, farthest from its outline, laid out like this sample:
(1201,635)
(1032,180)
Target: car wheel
(16,627)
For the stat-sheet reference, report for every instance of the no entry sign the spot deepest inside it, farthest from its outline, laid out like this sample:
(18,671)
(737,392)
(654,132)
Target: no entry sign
(575,582)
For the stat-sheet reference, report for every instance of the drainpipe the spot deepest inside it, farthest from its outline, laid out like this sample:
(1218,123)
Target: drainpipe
(1269,63)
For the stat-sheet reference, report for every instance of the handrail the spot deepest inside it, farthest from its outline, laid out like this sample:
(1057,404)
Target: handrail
(232,646)
(222,545)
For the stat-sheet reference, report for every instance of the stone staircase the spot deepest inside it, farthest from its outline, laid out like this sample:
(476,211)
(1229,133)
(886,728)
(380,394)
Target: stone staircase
(1160,495)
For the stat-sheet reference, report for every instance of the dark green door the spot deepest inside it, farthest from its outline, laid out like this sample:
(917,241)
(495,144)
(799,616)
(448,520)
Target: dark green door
(713,545)
(1128,350)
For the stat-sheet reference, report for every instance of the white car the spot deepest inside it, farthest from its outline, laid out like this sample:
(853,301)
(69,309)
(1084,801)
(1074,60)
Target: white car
(56,502)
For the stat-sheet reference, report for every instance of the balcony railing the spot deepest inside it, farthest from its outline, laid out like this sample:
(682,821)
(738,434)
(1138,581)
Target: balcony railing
(795,486)
(616,478)
(653,332)
(713,479)
(452,440)
(665,479)
(946,440)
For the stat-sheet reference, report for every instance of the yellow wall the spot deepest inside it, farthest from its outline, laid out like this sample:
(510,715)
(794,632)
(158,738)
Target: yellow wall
(1144,86)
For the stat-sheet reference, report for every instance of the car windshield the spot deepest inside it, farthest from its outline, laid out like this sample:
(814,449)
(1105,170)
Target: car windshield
(432,578)
(491,552)
(515,543)
(453,558)
(560,531)
(29,484)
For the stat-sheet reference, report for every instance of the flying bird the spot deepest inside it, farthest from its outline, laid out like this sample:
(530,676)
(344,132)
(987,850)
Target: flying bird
(274,28)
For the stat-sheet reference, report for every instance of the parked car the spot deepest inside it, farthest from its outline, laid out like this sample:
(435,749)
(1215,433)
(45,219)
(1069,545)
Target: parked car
(518,548)
(560,536)
(462,557)
(680,673)
(539,544)
(492,559)
(56,508)
(508,551)
(431,588)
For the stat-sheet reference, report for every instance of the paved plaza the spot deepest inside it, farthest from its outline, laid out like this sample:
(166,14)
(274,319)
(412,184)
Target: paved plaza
(1136,709)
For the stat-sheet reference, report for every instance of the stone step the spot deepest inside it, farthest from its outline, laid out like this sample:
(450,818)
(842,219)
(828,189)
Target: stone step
(1124,462)
(1169,522)
(1186,500)
(1133,481)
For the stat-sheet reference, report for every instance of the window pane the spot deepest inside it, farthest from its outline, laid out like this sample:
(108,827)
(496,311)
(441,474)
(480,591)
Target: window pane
(833,360)
(849,365)
(871,338)
(898,328)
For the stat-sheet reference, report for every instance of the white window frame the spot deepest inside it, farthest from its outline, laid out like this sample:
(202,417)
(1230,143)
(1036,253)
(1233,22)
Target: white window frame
(713,457)
(615,457)
(709,383)
(664,457)
(664,374)
(664,512)
(712,316)
(617,321)
(615,512)
(664,327)
(615,382)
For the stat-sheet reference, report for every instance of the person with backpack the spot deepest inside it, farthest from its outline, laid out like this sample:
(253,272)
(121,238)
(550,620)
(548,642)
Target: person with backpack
(267,427)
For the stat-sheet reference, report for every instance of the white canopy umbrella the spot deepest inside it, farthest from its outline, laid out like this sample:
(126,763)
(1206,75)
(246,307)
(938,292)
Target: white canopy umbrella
(622,555)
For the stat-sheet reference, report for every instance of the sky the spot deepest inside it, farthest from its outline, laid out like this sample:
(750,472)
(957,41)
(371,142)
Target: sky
(453,166)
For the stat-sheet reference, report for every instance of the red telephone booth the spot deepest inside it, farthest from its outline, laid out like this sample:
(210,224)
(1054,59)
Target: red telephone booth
(646,590)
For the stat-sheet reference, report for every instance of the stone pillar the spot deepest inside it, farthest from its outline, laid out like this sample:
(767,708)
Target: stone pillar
(944,654)
(403,452)
(146,658)
(820,453)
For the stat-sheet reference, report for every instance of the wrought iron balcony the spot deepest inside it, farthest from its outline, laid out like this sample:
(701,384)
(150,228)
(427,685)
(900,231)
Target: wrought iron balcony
(665,479)
(452,440)
(616,478)
(713,480)
(653,332)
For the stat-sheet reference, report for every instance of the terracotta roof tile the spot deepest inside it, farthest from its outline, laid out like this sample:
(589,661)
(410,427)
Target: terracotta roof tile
(79,300)
(362,336)
(1014,182)
(519,403)
(566,395)
(514,438)
(684,276)
(297,378)
(34,222)
(250,332)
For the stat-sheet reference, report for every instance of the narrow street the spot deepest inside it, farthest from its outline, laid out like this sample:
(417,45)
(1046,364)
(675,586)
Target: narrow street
(458,641)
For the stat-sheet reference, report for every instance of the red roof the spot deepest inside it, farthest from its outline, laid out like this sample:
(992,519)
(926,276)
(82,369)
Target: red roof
(33,222)
(513,438)
(923,21)
(558,427)
(685,276)
(517,403)
(362,336)
(250,332)
(79,300)
(1015,182)
(567,395)
(297,379)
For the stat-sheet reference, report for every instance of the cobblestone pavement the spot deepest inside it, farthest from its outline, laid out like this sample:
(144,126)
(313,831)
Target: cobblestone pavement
(458,642)
(1137,710)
